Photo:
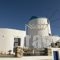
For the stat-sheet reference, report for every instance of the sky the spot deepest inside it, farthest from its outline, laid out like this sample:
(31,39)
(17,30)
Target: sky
(16,13)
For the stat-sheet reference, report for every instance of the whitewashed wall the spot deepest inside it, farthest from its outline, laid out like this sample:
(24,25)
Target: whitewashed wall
(7,38)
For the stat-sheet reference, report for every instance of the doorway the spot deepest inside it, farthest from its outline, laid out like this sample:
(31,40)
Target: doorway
(17,42)
(56,55)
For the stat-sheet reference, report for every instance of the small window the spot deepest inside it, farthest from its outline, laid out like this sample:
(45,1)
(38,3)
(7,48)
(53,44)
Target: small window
(17,42)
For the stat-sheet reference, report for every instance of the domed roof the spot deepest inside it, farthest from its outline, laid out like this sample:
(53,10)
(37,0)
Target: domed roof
(33,17)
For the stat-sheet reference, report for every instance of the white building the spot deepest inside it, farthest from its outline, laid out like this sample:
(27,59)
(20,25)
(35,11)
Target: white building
(39,29)
(10,38)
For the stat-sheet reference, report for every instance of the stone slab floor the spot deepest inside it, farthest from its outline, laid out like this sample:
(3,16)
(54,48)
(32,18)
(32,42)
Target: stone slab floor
(27,58)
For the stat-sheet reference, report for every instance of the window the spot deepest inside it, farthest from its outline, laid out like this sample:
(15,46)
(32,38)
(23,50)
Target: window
(17,42)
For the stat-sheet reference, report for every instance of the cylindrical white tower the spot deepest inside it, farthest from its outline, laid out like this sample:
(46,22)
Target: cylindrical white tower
(38,26)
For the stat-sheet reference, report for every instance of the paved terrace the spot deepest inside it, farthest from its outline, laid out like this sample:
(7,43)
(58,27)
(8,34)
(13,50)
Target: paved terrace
(28,58)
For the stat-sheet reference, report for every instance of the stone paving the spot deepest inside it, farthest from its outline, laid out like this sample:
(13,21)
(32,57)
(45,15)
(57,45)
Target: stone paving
(27,58)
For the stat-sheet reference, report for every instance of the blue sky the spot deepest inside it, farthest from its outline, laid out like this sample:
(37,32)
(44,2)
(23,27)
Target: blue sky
(16,13)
